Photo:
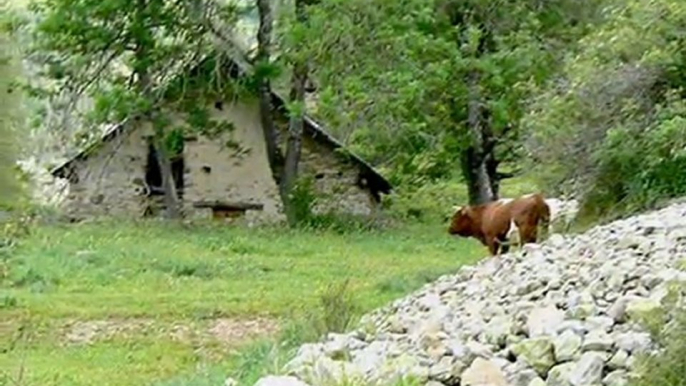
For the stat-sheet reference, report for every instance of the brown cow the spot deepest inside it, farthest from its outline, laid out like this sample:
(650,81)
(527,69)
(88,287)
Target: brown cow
(492,223)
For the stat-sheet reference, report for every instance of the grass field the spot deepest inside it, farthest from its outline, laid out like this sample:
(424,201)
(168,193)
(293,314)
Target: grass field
(145,303)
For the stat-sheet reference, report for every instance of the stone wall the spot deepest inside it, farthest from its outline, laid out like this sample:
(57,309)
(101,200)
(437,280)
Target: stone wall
(215,171)
(111,180)
(335,182)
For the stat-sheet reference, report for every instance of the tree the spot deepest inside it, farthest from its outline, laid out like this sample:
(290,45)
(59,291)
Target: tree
(121,55)
(284,167)
(421,87)
(11,115)
(263,65)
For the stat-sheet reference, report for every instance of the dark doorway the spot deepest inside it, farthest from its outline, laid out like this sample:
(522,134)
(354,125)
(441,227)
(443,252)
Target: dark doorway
(153,175)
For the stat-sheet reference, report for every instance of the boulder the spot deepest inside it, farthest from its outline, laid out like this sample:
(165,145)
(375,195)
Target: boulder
(483,372)
(537,353)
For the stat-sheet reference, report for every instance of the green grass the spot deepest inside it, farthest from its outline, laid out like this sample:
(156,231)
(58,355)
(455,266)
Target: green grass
(152,279)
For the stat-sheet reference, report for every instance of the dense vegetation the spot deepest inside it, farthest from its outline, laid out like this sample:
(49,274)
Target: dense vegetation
(464,93)
(454,101)
(10,117)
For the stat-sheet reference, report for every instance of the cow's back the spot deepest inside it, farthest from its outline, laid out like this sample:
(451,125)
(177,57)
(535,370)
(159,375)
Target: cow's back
(497,217)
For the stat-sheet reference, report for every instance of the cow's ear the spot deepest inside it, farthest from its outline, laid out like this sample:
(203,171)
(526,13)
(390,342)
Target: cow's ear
(457,208)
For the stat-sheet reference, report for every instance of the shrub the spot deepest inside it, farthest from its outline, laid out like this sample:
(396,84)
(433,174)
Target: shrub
(668,329)
(612,128)
(337,309)
(304,199)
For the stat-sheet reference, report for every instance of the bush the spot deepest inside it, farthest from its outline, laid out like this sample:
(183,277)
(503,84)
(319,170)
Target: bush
(668,368)
(337,310)
(612,129)
(304,199)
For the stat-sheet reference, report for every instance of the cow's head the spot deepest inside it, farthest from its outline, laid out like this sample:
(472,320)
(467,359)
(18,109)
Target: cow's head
(462,223)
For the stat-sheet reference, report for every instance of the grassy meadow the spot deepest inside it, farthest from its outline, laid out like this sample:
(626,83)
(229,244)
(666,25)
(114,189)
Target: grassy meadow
(117,303)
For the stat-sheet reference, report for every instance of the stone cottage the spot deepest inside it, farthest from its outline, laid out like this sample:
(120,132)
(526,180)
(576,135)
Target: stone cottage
(119,175)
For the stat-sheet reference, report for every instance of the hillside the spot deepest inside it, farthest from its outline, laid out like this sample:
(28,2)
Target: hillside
(567,312)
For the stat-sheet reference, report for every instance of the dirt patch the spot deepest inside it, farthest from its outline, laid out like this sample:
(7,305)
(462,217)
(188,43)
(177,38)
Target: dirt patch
(85,332)
(230,331)
(225,331)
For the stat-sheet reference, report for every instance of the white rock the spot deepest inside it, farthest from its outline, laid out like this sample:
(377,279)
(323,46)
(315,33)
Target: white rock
(497,330)
(619,360)
(560,374)
(597,340)
(544,321)
(272,380)
(567,346)
(476,349)
(618,310)
(634,342)
(447,368)
(522,377)
(576,326)
(616,378)
(537,382)
(604,323)
(483,372)
(537,353)
(588,370)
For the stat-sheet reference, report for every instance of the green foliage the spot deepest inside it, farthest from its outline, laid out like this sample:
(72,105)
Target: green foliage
(337,309)
(11,117)
(392,74)
(133,59)
(303,199)
(668,367)
(618,112)
(433,202)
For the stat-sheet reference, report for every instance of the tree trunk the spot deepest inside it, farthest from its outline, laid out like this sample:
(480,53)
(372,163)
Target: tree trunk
(264,32)
(171,197)
(144,84)
(295,126)
(475,162)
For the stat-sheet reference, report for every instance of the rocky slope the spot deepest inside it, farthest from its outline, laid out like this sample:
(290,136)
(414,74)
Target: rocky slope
(561,313)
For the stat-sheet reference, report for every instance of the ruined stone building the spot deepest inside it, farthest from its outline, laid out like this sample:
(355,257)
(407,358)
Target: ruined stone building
(119,176)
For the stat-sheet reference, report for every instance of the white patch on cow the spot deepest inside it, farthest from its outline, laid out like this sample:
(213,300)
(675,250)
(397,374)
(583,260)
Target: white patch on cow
(504,200)
(513,234)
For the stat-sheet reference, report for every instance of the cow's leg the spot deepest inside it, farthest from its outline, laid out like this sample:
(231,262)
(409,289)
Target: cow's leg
(527,233)
(492,244)
(504,242)
(505,246)
(514,233)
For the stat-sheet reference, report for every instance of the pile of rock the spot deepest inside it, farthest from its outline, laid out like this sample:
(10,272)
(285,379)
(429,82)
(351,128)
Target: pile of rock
(560,313)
